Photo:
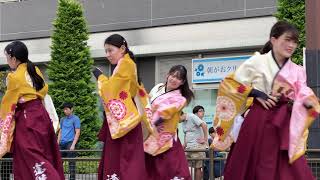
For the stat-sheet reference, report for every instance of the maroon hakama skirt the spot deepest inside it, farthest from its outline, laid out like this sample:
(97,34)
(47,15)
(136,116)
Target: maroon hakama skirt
(171,164)
(122,158)
(261,151)
(36,153)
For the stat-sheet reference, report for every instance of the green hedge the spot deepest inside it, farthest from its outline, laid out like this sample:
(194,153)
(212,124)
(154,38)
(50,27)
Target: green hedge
(293,11)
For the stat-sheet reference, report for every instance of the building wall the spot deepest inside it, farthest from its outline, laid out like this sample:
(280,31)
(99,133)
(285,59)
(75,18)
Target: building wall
(175,39)
(33,18)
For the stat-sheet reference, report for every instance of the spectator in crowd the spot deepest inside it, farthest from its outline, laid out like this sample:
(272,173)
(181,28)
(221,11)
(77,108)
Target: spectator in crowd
(195,137)
(217,164)
(69,135)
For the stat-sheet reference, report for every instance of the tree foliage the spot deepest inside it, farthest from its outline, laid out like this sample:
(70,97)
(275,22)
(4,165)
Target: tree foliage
(70,69)
(293,11)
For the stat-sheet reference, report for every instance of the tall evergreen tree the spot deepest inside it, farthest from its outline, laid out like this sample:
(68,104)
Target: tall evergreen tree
(293,11)
(70,69)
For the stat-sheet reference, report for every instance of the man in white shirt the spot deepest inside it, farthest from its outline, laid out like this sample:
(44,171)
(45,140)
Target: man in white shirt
(195,137)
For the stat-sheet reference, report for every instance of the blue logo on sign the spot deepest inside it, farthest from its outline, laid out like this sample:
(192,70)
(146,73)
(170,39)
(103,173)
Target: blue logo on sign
(200,70)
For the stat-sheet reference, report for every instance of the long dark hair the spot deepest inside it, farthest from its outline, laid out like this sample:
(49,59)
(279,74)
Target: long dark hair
(182,74)
(19,50)
(277,30)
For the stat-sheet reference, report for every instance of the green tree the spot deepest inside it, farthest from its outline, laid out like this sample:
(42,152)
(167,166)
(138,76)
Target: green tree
(3,76)
(3,87)
(70,69)
(293,11)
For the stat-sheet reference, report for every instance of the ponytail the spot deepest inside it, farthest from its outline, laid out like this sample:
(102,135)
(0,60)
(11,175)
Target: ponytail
(266,48)
(131,55)
(37,81)
(135,61)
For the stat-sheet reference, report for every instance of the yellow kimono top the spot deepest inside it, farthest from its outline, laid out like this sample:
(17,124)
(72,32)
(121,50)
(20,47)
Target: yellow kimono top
(123,98)
(19,90)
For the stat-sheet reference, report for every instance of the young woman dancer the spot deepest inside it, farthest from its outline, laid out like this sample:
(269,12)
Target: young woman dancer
(25,126)
(272,138)
(165,158)
(123,155)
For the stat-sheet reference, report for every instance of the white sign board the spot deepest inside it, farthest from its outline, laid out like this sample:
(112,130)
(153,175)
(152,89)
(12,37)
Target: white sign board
(213,70)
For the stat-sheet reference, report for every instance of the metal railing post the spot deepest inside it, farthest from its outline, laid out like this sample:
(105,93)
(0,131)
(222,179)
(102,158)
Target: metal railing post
(211,164)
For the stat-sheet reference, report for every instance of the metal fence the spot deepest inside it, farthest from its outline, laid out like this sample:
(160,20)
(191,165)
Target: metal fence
(85,165)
